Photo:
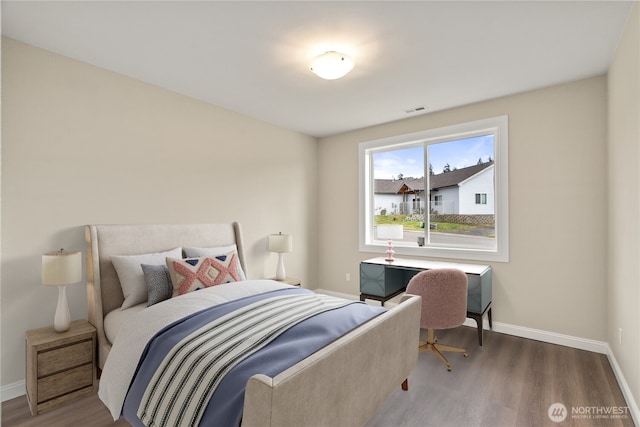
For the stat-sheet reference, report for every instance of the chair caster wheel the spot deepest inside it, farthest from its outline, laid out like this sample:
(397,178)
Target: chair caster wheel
(465,354)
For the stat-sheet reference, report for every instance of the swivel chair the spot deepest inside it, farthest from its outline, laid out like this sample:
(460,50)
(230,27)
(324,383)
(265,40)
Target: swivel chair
(444,305)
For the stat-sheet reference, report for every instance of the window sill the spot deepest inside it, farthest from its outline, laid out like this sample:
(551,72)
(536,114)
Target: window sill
(434,252)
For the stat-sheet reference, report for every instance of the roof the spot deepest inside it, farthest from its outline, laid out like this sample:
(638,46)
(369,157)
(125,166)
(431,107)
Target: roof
(441,180)
(455,177)
(388,186)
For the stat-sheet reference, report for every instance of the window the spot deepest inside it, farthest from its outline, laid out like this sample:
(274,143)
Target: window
(446,186)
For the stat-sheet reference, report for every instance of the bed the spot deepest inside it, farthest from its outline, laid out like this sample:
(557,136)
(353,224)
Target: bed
(342,383)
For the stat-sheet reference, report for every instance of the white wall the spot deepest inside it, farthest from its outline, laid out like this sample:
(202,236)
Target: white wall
(623,281)
(555,279)
(81,145)
(385,201)
(481,183)
(450,201)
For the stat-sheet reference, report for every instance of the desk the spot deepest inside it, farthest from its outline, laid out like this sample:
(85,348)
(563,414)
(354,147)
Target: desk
(381,280)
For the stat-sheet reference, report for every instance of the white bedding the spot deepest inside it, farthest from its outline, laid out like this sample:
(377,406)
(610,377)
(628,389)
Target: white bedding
(144,324)
(116,319)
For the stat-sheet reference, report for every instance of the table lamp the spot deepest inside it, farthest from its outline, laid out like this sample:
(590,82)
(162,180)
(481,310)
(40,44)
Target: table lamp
(61,268)
(390,232)
(280,243)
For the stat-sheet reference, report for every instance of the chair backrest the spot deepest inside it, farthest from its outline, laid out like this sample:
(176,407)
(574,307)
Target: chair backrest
(444,297)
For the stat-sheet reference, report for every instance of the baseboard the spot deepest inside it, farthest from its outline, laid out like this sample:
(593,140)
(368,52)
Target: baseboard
(551,337)
(11,391)
(626,391)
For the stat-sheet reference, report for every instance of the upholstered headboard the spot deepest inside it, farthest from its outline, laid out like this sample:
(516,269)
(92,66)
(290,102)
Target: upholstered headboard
(103,241)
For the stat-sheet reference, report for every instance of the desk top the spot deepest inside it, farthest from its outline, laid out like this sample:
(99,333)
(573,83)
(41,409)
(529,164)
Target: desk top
(429,265)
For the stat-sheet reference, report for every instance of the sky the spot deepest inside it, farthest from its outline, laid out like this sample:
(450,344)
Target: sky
(410,161)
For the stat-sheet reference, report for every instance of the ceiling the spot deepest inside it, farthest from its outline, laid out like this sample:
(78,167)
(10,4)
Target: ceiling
(252,57)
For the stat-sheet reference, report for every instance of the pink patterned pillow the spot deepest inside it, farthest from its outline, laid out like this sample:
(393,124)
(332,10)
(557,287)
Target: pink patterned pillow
(191,274)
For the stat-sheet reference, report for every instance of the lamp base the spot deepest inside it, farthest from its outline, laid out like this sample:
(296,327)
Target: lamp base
(390,252)
(280,273)
(62,319)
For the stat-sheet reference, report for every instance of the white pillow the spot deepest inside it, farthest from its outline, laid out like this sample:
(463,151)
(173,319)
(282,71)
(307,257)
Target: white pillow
(220,250)
(131,276)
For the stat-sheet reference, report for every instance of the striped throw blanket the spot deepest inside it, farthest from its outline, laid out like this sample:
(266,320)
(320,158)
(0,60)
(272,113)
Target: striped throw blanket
(190,373)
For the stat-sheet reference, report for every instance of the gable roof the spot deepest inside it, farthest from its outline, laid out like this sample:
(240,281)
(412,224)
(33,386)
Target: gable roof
(455,177)
(441,180)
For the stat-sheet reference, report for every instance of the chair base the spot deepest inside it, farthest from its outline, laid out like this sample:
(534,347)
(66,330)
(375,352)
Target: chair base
(432,345)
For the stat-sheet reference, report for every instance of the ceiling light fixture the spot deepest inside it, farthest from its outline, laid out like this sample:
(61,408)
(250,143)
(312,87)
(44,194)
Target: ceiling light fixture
(331,65)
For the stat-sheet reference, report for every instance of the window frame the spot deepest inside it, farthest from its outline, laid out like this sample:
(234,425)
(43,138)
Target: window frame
(498,126)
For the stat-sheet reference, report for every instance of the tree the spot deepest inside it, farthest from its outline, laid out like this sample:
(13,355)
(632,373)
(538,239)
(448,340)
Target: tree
(430,169)
(479,160)
(447,168)
(400,176)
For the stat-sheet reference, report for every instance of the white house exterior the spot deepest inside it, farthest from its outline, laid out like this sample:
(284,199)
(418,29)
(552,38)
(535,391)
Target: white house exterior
(464,191)
(445,201)
(478,184)
(388,203)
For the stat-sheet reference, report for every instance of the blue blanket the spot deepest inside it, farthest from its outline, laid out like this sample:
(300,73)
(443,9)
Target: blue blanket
(298,342)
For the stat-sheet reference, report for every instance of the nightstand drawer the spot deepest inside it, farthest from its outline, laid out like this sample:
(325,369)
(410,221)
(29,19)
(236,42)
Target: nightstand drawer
(62,358)
(60,366)
(65,382)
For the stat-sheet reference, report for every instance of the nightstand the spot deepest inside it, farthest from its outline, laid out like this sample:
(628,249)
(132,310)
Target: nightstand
(289,281)
(60,365)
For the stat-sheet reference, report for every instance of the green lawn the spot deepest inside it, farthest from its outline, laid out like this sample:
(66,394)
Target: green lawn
(398,220)
(443,227)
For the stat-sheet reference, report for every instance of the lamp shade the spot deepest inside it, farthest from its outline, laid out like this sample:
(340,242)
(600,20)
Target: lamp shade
(390,232)
(331,65)
(280,243)
(61,268)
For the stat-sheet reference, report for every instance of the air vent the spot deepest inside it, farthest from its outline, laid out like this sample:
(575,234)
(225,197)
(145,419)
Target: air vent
(420,109)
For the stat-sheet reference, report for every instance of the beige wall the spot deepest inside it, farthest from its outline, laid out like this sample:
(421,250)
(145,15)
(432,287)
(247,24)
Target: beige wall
(82,145)
(555,279)
(623,284)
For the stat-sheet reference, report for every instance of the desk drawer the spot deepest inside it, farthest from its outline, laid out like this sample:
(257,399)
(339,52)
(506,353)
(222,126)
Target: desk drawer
(372,280)
(381,281)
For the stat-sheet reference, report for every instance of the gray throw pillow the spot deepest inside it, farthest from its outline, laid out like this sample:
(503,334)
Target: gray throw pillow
(158,280)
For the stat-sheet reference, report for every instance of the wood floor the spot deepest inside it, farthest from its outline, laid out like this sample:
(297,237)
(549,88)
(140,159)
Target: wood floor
(511,382)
